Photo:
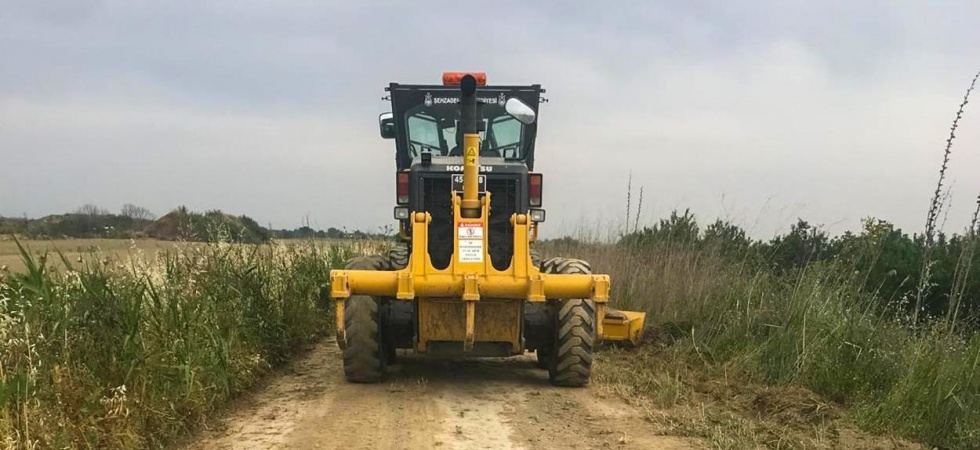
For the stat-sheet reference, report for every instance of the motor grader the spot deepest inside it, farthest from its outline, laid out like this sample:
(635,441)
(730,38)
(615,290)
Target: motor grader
(466,282)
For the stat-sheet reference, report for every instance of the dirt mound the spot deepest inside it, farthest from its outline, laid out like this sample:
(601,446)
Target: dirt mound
(181,224)
(173,226)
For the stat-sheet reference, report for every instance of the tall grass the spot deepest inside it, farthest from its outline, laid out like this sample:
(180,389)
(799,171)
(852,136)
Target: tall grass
(116,355)
(815,328)
(806,322)
(936,205)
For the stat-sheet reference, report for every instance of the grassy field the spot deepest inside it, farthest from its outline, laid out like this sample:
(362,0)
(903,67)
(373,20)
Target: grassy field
(119,250)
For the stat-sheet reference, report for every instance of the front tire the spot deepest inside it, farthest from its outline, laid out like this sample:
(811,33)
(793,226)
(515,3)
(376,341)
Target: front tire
(571,363)
(569,359)
(365,356)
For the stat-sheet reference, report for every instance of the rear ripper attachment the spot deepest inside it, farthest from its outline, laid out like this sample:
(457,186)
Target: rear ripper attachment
(467,283)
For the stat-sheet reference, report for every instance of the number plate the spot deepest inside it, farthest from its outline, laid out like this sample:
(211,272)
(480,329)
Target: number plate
(458,182)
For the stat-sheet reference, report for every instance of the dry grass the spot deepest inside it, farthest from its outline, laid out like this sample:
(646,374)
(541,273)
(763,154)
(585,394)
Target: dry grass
(745,358)
(728,410)
(121,251)
(72,249)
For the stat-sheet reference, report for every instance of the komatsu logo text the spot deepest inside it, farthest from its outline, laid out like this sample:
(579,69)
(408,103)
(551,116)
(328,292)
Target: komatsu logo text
(451,168)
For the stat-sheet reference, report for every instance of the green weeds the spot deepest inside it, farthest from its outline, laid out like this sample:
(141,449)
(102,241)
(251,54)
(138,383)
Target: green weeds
(119,356)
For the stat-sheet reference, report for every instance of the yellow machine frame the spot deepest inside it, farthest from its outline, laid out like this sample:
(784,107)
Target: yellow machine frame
(450,296)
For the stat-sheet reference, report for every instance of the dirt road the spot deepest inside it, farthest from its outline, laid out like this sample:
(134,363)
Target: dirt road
(427,404)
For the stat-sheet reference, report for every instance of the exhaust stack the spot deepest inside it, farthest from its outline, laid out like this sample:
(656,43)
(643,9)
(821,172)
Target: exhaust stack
(470,207)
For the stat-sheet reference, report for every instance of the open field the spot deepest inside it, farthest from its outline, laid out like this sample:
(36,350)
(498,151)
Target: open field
(118,251)
(72,249)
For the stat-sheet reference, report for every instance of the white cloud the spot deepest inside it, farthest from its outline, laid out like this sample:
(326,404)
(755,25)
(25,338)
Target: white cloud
(761,113)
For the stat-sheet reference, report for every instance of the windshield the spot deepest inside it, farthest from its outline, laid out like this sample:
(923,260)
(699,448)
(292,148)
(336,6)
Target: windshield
(432,129)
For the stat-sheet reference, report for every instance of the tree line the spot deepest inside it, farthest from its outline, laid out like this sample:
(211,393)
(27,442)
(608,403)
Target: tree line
(883,259)
(133,222)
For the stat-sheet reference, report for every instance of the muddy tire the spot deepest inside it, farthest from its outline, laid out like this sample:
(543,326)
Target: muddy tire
(397,258)
(365,358)
(570,358)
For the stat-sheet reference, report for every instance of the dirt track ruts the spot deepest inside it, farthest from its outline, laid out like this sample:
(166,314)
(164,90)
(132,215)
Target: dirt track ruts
(491,404)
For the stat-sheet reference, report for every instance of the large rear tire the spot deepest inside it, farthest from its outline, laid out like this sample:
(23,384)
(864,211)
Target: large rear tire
(365,356)
(570,358)
(398,257)
(566,266)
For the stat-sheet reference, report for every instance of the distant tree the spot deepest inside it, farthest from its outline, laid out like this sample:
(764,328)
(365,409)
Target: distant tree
(887,258)
(803,244)
(727,238)
(90,209)
(333,233)
(678,229)
(136,212)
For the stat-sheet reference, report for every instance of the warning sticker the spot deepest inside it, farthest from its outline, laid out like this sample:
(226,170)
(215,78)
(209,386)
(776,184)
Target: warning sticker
(470,235)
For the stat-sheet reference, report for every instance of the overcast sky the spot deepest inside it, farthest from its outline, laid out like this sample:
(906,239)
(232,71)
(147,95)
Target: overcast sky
(759,112)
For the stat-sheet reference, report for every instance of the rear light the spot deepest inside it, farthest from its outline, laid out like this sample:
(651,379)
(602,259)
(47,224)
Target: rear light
(402,188)
(454,78)
(534,189)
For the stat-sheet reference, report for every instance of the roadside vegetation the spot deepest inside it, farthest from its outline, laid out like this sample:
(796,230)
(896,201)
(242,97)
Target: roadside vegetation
(765,344)
(796,341)
(744,349)
(124,354)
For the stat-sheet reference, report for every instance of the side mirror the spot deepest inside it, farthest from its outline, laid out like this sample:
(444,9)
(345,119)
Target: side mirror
(519,110)
(386,122)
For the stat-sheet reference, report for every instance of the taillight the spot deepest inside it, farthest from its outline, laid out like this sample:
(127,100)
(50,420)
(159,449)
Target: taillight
(402,189)
(534,189)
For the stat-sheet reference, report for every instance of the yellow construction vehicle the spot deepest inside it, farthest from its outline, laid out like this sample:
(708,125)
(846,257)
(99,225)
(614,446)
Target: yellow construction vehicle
(466,282)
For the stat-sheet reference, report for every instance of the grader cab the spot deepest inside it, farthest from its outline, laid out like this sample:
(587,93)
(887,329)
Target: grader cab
(467,283)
